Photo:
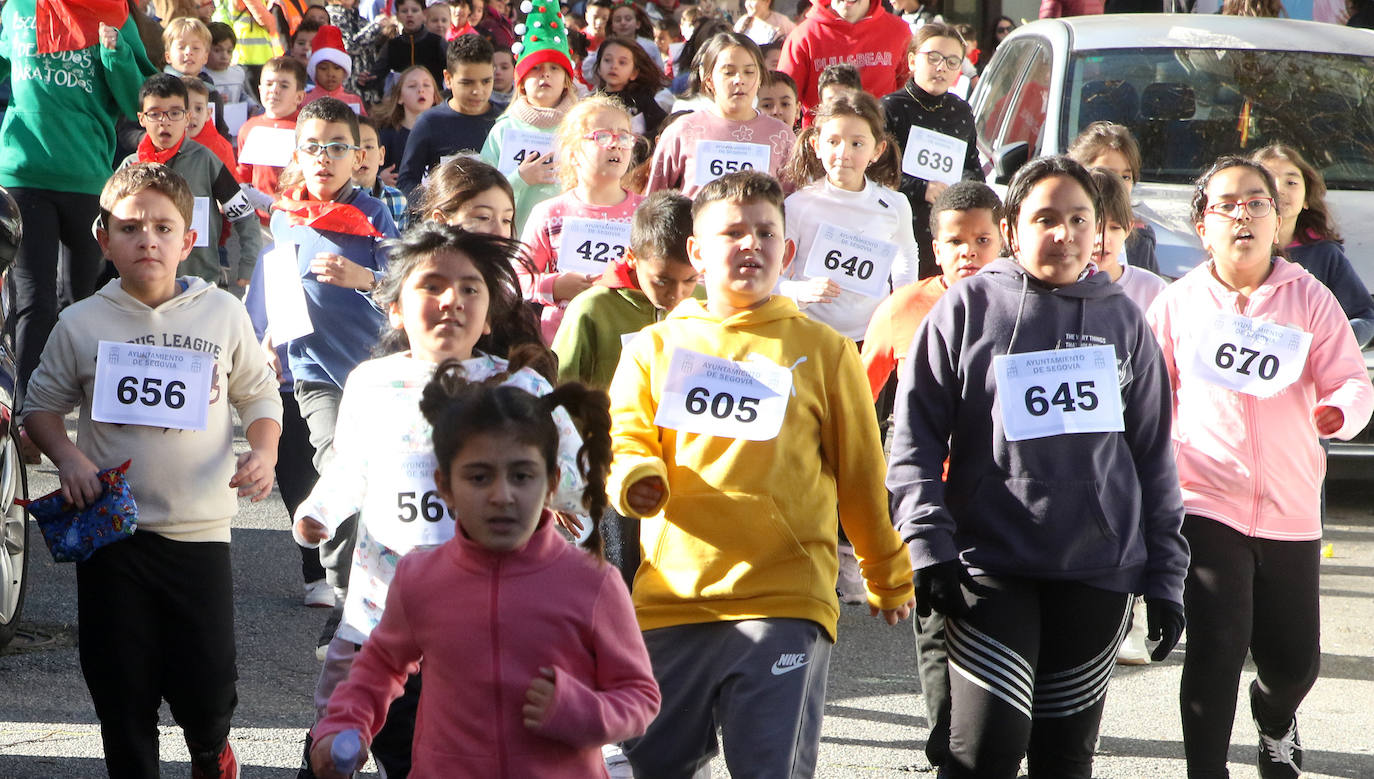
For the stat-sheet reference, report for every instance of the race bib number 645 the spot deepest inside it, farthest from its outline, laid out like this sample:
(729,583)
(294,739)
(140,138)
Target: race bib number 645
(1058,391)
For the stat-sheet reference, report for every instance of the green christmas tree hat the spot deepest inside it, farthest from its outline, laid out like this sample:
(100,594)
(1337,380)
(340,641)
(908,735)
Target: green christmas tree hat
(544,38)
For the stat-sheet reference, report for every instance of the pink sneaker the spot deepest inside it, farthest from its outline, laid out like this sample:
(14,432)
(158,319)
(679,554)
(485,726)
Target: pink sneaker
(226,766)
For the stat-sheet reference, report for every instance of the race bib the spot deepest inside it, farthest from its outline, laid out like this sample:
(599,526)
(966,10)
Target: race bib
(851,260)
(518,145)
(156,386)
(716,158)
(586,245)
(271,146)
(403,507)
(1249,356)
(200,220)
(724,398)
(933,156)
(1059,391)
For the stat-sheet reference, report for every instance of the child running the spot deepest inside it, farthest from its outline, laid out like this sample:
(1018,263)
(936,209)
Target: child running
(449,295)
(470,194)
(852,230)
(1042,385)
(742,432)
(575,236)
(626,73)
(414,93)
(1262,363)
(520,143)
(530,654)
(730,135)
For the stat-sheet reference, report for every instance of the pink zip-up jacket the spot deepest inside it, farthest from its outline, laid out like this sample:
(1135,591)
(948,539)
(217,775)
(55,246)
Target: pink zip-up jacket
(1254,464)
(484,624)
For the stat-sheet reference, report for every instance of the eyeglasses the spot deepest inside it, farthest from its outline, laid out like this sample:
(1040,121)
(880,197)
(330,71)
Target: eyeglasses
(1007,28)
(608,139)
(174,115)
(335,151)
(1255,207)
(935,58)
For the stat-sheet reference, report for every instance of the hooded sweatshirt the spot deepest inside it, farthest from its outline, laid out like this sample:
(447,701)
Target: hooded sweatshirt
(480,656)
(59,130)
(876,45)
(747,529)
(1262,479)
(1102,509)
(180,478)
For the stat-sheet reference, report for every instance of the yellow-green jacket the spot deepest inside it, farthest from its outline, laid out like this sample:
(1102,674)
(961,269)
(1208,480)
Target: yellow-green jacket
(747,529)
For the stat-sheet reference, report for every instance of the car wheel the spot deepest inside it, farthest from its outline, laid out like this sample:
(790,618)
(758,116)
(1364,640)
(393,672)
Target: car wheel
(14,557)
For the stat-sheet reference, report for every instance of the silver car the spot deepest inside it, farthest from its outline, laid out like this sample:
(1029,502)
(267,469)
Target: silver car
(1191,88)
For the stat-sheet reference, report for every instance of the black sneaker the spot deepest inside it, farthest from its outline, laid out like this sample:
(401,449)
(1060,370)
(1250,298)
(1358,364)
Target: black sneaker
(1280,757)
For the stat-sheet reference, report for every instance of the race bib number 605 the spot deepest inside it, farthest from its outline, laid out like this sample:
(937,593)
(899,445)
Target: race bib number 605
(157,386)
(1058,391)
(714,396)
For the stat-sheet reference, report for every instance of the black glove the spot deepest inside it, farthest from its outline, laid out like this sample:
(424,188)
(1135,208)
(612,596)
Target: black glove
(1165,620)
(938,588)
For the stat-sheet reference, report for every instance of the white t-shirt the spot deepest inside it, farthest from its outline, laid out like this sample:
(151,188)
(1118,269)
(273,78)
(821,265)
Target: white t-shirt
(1141,286)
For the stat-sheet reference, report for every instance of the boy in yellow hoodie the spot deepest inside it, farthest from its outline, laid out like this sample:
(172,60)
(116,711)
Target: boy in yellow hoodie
(740,427)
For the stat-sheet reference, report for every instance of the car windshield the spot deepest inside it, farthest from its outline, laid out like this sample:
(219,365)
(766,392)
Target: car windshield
(1189,106)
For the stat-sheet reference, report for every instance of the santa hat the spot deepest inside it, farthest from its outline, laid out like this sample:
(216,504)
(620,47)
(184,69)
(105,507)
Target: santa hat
(544,38)
(328,46)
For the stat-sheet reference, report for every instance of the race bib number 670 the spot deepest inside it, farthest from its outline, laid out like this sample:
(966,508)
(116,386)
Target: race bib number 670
(714,396)
(157,386)
(1249,356)
(1058,391)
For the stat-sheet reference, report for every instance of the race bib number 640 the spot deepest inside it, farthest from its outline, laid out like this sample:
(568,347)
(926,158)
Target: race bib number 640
(714,396)
(157,386)
(1058,391)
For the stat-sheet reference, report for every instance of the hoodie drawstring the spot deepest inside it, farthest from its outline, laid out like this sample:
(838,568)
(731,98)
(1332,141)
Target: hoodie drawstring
(1020,307)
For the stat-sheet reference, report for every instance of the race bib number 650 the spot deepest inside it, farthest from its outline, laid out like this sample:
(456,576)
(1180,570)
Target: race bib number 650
(724,398)
(1058,391)
(157,386)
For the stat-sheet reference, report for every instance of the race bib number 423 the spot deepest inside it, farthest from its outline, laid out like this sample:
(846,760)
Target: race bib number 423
(1249,356)
(1058,391)
(157,386)
(714,396)
(587,245)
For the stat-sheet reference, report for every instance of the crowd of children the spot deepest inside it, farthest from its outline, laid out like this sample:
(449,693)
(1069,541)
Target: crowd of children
(512,330)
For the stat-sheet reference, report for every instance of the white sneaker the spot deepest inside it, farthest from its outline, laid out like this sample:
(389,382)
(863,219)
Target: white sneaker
(850,584)
(1133,650)
(319,595)
(617,765)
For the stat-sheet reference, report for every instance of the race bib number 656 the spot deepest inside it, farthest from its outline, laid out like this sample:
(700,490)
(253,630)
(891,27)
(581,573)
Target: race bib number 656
(157,386)
(1058,391)
(724,398)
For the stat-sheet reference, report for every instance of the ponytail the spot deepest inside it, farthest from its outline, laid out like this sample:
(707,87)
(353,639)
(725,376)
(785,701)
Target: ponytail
(804,167)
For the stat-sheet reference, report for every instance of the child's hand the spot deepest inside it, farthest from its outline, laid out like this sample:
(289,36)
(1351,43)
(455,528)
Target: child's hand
(569,285)
(934,189)
(893,616)
(1329,419)
(273,361)
(388,175)
(538,698)
(311,529)
(644,494)
(254,474)
(321,761)
(330,268)
(818,290)
(109,36)
(77,473)
(388,26)
(538,169)
(570,523)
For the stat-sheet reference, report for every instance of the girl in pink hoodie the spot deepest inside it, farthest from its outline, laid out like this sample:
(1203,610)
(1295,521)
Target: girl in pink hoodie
(532,656)
(1262,362)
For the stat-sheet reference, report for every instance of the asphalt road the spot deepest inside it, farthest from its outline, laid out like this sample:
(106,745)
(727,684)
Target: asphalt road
(875,724)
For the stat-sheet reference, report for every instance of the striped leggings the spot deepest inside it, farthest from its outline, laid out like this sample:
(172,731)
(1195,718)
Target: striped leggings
(1028,672)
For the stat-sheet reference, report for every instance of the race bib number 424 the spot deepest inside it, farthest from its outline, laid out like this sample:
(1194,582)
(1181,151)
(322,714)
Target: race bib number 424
(157,386)
(714,396)
(1058,391)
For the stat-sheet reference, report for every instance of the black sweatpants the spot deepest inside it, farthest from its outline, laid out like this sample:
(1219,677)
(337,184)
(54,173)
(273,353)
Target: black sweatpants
(932,664)
(157,622)
(1028,672)
(57,234)
(296,475)
(1245,594)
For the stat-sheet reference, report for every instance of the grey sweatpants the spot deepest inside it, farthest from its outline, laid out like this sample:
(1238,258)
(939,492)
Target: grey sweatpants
(762,681)
(319,405)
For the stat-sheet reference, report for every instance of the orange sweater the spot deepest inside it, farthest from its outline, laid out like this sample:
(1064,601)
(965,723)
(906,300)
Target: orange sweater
(893,326)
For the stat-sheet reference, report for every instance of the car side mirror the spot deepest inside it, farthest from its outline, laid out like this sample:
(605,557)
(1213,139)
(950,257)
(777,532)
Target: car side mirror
(1009,159)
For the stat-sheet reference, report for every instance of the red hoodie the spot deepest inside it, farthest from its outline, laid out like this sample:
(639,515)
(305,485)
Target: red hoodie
(876,45)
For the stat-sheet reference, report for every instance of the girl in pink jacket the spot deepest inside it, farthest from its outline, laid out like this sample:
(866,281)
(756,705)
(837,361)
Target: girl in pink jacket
(1262,363)
(532,656)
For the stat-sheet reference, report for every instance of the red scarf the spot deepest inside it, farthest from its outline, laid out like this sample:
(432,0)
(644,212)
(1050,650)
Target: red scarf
(71,25)
(324,214)
(147,152)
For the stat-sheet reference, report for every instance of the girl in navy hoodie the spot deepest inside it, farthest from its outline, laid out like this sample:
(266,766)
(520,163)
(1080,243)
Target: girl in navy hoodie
(1041,383)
